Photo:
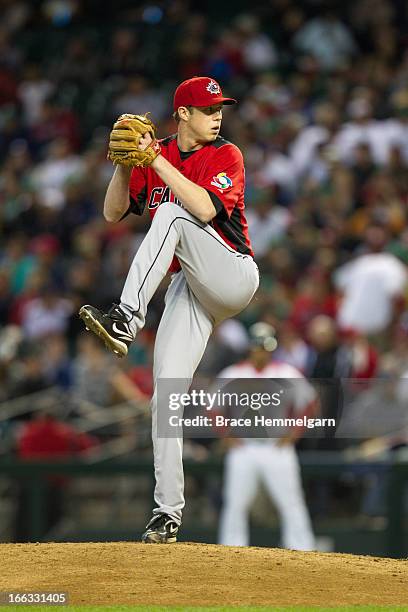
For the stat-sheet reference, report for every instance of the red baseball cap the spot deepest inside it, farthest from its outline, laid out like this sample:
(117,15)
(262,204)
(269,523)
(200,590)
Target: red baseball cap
(199,91)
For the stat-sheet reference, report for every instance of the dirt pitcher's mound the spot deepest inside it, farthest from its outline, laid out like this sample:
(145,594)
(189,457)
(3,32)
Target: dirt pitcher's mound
(200,574)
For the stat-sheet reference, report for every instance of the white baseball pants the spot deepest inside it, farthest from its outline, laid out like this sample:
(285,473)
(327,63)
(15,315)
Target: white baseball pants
(278,468)
(215,283)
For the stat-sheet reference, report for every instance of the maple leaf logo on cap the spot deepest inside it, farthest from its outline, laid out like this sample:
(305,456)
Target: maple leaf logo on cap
(213,87)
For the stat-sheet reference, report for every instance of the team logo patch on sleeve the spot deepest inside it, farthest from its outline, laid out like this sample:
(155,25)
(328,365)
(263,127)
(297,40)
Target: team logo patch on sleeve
(222,181)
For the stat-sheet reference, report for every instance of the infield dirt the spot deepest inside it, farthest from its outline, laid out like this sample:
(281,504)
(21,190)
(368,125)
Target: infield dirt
(201,575)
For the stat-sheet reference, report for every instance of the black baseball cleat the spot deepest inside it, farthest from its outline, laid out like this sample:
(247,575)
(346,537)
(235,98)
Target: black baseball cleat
(112,327)
(161,529)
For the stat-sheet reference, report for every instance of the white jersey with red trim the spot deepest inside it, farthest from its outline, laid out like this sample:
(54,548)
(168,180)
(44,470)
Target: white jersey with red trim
(303,392)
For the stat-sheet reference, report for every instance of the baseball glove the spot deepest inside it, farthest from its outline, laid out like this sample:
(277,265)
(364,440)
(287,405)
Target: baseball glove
(125,138)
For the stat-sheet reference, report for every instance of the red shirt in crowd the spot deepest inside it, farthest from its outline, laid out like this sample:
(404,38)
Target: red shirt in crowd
(46,437)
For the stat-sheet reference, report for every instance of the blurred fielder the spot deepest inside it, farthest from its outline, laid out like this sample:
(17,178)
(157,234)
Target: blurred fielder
(272,461)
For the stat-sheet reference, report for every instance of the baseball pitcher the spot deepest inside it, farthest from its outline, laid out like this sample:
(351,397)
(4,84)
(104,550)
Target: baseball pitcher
(193,185)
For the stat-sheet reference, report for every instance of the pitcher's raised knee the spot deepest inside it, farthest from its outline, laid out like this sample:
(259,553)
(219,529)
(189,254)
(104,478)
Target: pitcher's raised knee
(166,210)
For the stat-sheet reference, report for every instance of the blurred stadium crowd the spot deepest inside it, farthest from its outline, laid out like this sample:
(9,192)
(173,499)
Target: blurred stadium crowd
(323,126)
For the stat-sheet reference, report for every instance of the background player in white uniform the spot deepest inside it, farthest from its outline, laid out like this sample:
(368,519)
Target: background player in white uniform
(214,274)
(271,461)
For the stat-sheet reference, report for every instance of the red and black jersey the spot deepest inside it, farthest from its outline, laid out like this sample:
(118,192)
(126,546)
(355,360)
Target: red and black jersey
(219,168)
